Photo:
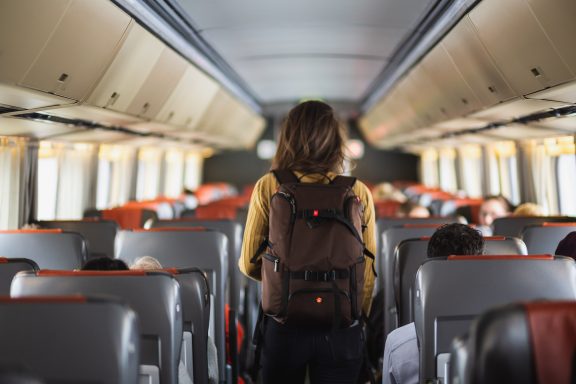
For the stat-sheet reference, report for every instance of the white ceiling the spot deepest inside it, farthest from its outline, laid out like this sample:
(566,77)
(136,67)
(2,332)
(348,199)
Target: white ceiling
(285,51)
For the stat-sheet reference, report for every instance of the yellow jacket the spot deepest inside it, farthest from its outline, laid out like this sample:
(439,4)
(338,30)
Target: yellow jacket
(257,227)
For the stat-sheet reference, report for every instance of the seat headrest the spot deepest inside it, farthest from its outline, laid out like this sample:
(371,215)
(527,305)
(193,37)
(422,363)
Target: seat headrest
(500,257)
(553,333)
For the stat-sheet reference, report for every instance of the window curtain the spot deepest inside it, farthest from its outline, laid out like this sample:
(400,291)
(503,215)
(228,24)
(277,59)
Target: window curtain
(75,178)
(149,173)
(13,152)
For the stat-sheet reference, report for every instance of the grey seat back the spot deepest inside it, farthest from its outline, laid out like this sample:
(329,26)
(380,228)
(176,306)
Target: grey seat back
(513,226)
(9,268)
(74,340)
(99,234)
(411,253)
(195,293)
(233,232)
(544,238)
(450,293)
(182,248)
(50,249)
(390,239)
(154,296)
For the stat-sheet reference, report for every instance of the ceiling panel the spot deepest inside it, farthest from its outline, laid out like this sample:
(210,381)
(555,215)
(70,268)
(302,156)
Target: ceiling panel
(285,51)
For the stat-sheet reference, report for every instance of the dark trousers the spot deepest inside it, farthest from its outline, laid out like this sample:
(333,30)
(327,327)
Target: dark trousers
(331,357)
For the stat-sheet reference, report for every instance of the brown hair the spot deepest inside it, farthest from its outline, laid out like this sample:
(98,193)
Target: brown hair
(311,140)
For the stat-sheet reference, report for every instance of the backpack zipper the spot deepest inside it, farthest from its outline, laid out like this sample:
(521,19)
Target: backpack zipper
(273,259)
(289,199)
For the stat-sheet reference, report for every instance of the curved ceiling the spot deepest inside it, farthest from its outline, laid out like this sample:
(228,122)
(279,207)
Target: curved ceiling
(286,51)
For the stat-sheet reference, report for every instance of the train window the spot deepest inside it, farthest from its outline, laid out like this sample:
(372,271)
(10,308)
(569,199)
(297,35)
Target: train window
(47,182)
(64,180)
(115,175)
(565,150)
(174,167)
(429,168)
(149,173)
(11,154)
(447,165)
(471,169)
(506,170)
(193,170)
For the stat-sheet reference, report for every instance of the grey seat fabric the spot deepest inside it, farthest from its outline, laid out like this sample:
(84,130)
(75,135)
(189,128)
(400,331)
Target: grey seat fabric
(76,340)
(99,234)
(233,232)
(154,296)
(9,268)
(513,226)
(544,239)
(451,293)
(411,253)
(385,267)
(65,250)
(195,293)
(182,248)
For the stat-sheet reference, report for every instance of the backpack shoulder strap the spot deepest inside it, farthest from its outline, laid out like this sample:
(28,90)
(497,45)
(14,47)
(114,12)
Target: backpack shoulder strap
(345,181)
(284,176)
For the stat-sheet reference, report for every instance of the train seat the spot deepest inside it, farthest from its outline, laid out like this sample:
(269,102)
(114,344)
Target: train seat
(70,339)
(50,249)
(99,234)
(9,268)
(544,238)
(154,296)
(182,248)
(390,238)
(195,294)
(524,342)
(129,217)
(513,226)
(233,232)
(470,285)
(411,253)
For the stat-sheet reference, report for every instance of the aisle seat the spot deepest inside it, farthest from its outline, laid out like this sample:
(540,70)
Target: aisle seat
(70,339)
(129,217)
(182,248)
(530,343)
(154,296)
(411,253)
(49,248)
(450,292)
(544,238)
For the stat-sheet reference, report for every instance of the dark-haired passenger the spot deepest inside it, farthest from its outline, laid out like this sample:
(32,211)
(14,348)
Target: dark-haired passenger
(105,264)
(567,246)
(401,360)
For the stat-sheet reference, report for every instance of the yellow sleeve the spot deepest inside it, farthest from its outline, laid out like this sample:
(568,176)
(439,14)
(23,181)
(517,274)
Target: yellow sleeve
(369,237)
(256,229)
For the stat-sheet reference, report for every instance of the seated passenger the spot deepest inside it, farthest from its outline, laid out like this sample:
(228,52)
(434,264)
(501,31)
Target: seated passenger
(409,209)
(567,246)
(386,191)
(492,208)
(148,263)
(105,264)
(401,359)
(527,210)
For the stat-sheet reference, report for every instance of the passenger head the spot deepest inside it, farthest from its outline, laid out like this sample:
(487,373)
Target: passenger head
(567,246)
(455,239)
(146,263)
(492,208)
(311,140)
(410,209)
(105,264)
(528,209)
